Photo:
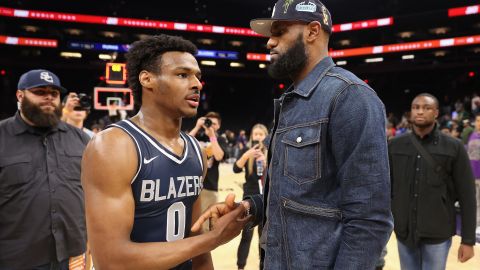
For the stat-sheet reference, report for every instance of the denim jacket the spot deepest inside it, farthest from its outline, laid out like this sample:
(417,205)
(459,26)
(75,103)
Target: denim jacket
(328,184)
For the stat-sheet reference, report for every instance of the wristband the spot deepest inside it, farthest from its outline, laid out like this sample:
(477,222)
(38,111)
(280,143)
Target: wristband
(213,139)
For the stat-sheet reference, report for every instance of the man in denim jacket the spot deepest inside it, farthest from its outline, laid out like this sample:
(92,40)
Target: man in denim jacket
(327,192)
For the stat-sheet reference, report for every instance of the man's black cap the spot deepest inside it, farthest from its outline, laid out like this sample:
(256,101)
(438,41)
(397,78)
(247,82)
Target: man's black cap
(294,10)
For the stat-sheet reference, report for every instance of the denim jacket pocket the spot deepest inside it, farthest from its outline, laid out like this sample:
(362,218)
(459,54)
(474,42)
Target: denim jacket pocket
(311,235)
(303,153)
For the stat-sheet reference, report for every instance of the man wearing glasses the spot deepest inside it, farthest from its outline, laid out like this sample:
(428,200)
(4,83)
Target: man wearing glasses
(42,222)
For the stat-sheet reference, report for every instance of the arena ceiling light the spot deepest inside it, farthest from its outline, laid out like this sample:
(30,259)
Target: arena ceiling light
(71,54)
(166,25)
(406,34)
(374,60)
(73,31)
(237,65)
(341,63)
(408,57)
(31,28)
(262,66)
(206,41)
(208,63)
(440,30)
(105,57)
(24,41)
(236,43)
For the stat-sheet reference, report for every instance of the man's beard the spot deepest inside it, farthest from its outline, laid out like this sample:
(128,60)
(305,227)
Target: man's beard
(37,116)
(291,62)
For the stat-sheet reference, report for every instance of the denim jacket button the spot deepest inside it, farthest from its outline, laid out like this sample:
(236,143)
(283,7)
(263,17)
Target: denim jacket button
(299,139)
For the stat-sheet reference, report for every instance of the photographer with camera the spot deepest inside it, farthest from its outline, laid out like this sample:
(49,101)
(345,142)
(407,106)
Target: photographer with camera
(253,159)
(215,148)
(77,107)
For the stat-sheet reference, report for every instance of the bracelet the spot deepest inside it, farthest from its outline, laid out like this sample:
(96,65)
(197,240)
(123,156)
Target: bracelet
(247,209)
(212,139)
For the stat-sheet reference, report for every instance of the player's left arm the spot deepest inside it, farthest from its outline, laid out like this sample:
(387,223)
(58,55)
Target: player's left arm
(203,261)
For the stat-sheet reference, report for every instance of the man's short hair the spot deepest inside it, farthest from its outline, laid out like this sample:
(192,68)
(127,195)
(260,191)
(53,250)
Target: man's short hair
(147,53)
(214,115)
(437,104)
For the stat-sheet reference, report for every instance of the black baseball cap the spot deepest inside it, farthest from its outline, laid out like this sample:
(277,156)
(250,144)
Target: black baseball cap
(40,77)
(294,10)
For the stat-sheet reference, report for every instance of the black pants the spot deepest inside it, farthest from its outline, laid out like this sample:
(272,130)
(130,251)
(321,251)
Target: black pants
(63,265)
(244,247)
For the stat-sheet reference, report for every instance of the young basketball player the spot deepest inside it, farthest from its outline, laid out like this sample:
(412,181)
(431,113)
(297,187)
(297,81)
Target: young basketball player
(142,176)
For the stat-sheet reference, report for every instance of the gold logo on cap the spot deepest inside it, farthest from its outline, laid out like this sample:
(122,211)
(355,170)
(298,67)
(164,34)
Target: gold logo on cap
(325,15)
(286,5)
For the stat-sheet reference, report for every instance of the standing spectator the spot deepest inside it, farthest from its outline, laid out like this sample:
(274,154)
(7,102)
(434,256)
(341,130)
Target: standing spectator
(42,221)
(466,131)
(253,159)
(242,139)
(77,116)
(475,104)
(430,171)
(215,149)
(473,149)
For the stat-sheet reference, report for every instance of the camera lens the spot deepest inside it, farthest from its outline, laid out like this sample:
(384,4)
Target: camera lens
(207,122)
(84,102)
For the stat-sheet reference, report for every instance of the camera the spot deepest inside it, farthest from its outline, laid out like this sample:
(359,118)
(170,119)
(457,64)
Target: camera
(254,142)
(84,102)
(207,122)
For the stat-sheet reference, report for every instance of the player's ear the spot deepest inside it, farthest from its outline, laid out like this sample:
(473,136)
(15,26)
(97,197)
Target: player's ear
(146,79)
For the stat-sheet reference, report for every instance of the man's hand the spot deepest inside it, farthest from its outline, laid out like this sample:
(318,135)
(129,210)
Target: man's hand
(215,211)
(253,152)
(209,131)
(72,101)
(465,253)
(200,122)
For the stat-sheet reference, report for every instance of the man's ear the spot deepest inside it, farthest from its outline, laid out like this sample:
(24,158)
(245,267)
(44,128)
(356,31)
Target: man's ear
(314,31)
(20,95)
(146,79)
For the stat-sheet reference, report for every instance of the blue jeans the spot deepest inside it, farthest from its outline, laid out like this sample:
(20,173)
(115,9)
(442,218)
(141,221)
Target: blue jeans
(424,256)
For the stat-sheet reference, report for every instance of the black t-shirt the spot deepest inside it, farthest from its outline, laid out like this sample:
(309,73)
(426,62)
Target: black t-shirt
(251,186)
(211,180)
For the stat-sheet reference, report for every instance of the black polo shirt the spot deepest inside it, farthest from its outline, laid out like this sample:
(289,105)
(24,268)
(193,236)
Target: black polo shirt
(41,198)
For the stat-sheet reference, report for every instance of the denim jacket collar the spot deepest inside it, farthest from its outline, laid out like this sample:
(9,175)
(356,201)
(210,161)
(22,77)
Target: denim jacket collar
(307,85)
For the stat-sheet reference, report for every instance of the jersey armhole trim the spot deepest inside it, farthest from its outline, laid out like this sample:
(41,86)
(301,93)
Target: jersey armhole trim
(196,145)
(139,152)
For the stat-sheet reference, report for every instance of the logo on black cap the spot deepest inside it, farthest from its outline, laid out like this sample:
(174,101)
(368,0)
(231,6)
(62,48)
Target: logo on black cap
(286,5)
(325,15)
(310,7)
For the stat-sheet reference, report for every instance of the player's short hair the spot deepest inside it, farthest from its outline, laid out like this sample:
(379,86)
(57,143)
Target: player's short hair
(146,54)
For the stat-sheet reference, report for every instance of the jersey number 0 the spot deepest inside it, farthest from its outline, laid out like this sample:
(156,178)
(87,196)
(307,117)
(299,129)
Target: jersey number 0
(176,222)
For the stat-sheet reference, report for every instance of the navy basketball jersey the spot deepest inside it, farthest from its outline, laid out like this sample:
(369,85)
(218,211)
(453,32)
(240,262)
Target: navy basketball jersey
(164,188)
